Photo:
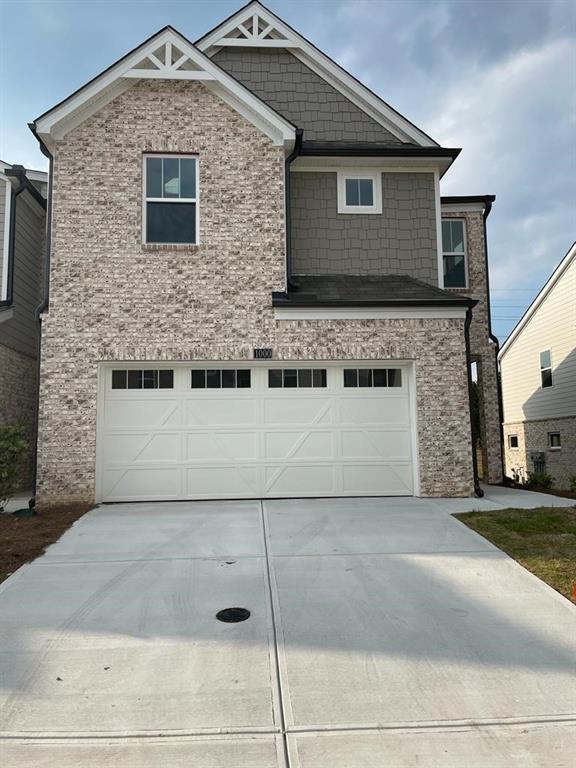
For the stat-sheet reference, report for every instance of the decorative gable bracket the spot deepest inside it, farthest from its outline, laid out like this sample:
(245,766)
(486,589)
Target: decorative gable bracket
(168,63)
(256,31)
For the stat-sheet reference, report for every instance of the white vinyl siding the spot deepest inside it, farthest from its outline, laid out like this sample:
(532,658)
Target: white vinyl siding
(552,327)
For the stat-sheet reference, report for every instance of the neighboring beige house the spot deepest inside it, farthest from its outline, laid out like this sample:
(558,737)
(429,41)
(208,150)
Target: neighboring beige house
(538,369)
(256,289)
(22,239)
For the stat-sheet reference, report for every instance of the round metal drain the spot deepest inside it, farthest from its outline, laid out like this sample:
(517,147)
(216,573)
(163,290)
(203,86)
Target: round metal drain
(233,615)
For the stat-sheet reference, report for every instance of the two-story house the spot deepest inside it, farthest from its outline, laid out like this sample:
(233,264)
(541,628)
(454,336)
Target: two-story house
(538,369)
(23,194)
(256,289)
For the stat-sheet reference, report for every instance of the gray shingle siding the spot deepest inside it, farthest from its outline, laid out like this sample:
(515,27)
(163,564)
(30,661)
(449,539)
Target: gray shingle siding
(302,96)
(400,240)
(3,188)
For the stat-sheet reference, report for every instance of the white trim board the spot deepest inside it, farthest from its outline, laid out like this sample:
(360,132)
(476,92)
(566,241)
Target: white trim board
(280,35)
(6,240)
(530,312)
(368,313)
(146,62)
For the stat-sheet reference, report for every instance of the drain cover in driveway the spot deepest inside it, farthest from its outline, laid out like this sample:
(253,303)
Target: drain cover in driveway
(233,615)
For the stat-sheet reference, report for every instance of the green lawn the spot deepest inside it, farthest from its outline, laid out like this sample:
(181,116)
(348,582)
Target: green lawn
(543,540)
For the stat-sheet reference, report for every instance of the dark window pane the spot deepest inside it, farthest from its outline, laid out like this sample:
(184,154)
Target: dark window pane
(170,222)
(304,377)
(198,379)
(546,378)
(513,440)
(171,177)
(228,378)
(454,272)
(350,377)
(134,379)
(394,377)
(366,192)
(365,377)
(554,439)
(153,177)
(446,237)
(274,378)
(213,379)
(352,192)
(319,377)
(243,379)
(118,379)
(166,379)
(290,377)
(457,236)
(150,379)
(545,361)
(187,177)
(379,377)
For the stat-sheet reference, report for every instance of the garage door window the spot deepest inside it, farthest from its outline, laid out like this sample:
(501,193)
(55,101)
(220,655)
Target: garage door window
(142,379)
(372,377)
(294,378)
(225,378)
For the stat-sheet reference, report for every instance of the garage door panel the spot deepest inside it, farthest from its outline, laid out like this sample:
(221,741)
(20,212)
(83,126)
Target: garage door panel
(209,446)
(225,480)
(375,444)
(298,410)
(142,447)
(370,410)
(142,483)
(143,412)
(296,445)
(300,480)
(377,479)
(221,411)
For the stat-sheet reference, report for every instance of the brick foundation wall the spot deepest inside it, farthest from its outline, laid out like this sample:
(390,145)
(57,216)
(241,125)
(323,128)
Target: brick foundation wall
(18,376)
(114,299)
(533,436)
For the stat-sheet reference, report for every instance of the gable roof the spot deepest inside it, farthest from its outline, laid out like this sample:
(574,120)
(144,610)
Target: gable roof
(548,286)
(254,25)
(166,55)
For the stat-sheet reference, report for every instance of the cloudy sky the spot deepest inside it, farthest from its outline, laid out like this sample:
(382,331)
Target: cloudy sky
(495,77)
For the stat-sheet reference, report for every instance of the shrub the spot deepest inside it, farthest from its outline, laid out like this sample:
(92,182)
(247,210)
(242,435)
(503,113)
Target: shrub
(13,452)
(541,479)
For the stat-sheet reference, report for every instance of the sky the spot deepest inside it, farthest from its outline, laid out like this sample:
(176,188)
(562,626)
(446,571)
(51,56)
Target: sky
(495,77)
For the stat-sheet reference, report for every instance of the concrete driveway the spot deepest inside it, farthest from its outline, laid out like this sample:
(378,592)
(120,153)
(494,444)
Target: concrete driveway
(383,632)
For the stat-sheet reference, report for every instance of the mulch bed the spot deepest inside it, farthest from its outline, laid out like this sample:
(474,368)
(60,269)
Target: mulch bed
(22,539)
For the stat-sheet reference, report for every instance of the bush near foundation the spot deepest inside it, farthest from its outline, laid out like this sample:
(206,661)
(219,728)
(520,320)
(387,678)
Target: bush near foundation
(13,452)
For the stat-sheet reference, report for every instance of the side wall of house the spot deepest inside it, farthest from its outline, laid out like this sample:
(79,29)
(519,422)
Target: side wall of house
(400,240)
(483,350)
(113,298)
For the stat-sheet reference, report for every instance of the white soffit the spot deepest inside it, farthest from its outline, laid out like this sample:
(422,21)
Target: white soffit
(255,26)
(530,312)
(165,56)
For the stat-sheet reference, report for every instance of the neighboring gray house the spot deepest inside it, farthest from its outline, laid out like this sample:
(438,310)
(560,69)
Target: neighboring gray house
(256,289)
(23,196)
(538,370)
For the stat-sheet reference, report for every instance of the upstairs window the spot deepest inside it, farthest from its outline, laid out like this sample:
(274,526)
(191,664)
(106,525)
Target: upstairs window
(545,369)
(171,199)
(454,253)
(359,192)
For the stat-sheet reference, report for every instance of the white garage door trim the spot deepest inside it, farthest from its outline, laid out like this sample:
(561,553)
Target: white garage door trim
(259,386)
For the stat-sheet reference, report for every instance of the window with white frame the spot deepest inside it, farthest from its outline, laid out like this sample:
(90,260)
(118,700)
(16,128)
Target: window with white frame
(545,369)
(554,440)
(512,441)
(171,199)
(359,192)
(454,253)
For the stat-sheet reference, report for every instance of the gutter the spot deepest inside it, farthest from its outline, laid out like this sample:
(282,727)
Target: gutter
(477,490)
(366,150)
(288,209)
(489,200)
(44,304)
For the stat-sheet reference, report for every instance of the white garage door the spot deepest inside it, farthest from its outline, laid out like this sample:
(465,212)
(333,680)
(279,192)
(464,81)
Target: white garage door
(177,432)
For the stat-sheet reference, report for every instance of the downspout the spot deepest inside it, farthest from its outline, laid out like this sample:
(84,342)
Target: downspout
(287,186)
(18,172)
(477,490)
(43,306)
(493,338)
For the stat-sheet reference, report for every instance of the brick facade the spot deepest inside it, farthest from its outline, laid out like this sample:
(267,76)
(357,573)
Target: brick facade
(483,350)
(114,299)
(533,436)
(18,376)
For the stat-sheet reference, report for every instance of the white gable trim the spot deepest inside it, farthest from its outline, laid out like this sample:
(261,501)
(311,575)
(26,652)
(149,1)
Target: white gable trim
(239,30)
(531,311)
(167,55)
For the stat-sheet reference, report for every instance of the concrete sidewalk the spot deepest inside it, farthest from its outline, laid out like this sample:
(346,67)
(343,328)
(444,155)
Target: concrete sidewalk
(382,632)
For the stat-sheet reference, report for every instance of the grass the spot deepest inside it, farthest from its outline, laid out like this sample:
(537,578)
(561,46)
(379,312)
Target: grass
(543,540)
